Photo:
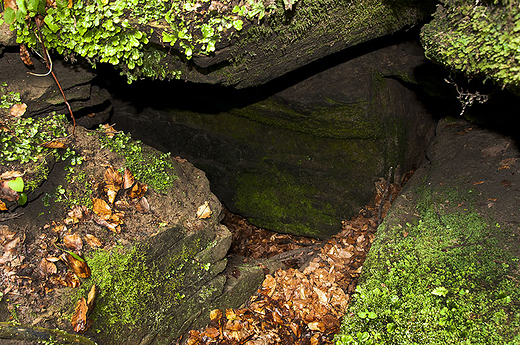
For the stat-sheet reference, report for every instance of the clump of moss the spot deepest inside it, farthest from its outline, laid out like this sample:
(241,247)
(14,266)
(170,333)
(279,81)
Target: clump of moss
(148,166)
(477,38)
(443,279)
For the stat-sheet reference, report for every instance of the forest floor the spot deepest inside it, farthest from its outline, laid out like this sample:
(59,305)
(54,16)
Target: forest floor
(303,302)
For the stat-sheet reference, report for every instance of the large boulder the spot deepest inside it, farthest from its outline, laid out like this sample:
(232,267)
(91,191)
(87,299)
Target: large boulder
(304,158)
(155,249)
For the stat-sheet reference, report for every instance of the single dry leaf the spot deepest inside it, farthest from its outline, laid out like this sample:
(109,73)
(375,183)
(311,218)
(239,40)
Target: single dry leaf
(128,179)
(113,179)
(6,192)
(3,207)
(316,326)
(10,250)
(111,194)
(91,298)
(101,208)
(143,206)
(10,175)
(18,109)
(93,241)
(73,242)
(215,315)
(79,319)
(54,144)
(48,267)
(477,183)
(204,211)
(79,267)
(137,190)
(109,130)
(268,286)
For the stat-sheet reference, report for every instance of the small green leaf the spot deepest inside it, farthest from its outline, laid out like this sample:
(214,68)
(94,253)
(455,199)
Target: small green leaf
(9,15)
(440,291)
(76,256)
(16,184)
(362,314)
(372,315)
(390,327)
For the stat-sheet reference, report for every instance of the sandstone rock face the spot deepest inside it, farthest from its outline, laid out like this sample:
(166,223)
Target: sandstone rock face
(305,158)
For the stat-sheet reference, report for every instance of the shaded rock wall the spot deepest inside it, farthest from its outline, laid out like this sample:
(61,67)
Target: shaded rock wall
(305,158)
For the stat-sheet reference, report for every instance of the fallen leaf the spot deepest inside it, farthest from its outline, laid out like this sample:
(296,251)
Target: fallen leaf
(76,264)
(79,319)
(48,267)
(9,250)
(101,208)
(109,130)
(91,298)
(505,183)
(215,315)
(113,179)
(143,206)
(3,207)
(24,55)
(54,144)
(477,183)
(93,241)
(6,192)
(73,242)
(12,174)
(204,211)
(316,326)
(18,109)
(137,190)
(128,179)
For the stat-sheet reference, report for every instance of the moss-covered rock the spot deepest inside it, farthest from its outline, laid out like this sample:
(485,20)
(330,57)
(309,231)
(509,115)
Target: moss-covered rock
(477,38)
(444,265)
(229,42)
(305,158)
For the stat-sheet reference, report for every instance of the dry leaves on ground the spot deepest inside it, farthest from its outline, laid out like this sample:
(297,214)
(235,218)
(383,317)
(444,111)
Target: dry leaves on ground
(300,306)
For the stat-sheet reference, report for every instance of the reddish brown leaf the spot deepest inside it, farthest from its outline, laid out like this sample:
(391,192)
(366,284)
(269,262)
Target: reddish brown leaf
(93,241)
(6,192)
(113,179)
(137,190)
(54,144)
(48,267)
(128,179)
(10,4)
(215,315)
(10,250)
(24,54)
(79,267)
(143,206)
(109,130)
(79,319)
(3,207)
(101,208)
(73,242)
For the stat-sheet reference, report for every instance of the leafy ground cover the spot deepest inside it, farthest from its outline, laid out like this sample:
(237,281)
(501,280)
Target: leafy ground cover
(440,279)
(304,301)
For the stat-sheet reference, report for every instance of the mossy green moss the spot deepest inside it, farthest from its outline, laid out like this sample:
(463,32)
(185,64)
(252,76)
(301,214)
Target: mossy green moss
(439,278)
(140,290)
(477,38)
(283,202)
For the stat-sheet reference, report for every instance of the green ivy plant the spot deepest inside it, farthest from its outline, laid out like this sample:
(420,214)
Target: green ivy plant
(118,32)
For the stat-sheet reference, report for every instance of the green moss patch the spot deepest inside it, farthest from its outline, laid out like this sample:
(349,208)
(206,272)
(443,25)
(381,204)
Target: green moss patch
(439,278)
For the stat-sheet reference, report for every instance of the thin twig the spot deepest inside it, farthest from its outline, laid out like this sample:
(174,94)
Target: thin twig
(49,66)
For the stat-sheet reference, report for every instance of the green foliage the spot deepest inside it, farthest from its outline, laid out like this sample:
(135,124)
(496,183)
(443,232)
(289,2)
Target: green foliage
(150,167)
(446,282)
(8,99)
(478,38)
(117,32)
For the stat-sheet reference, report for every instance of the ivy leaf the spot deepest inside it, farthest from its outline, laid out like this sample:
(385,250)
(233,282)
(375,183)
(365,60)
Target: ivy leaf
(9,15)
(440,291)
(50,23)
(16,184)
